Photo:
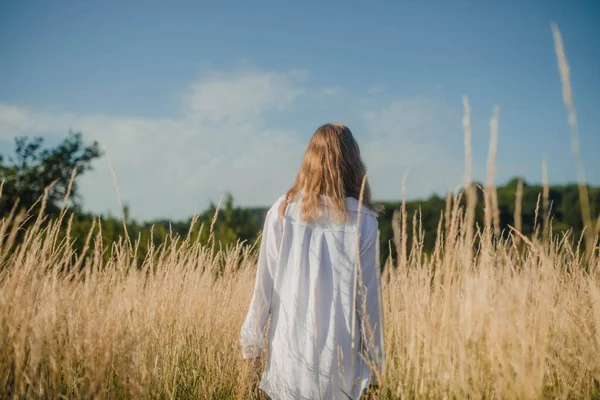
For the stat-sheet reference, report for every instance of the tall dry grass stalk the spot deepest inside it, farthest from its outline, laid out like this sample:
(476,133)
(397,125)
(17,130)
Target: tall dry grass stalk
(492,215)
(567,94)
(114,175)
(357,269)
(545,188)
(545,197)
(518,217)
(471,196)
(494,141)
(403,261)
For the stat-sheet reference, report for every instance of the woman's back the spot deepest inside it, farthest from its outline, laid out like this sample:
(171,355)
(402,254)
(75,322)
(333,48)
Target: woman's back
(317,281)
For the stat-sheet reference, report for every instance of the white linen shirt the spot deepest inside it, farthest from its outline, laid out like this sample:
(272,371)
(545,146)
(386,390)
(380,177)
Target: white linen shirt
(322,328)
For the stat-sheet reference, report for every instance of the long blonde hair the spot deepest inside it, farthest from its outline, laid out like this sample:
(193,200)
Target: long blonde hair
(331,167)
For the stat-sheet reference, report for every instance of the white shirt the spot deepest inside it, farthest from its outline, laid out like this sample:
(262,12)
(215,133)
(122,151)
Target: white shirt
(305,283)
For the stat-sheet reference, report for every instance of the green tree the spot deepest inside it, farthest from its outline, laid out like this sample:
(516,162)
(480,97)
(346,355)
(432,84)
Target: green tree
(33,168)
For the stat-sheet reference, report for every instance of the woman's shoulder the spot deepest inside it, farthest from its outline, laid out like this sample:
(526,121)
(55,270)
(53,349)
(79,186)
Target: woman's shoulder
(278,202)
(274,210)
(353,205)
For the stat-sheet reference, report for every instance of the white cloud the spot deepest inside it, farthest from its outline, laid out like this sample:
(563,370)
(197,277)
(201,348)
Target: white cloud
(242,95)
(234,135)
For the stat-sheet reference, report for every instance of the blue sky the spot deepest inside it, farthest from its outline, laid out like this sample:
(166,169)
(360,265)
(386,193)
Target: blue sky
(194,99)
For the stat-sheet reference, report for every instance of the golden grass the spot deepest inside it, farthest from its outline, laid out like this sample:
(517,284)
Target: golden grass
(513,323)
(168,329)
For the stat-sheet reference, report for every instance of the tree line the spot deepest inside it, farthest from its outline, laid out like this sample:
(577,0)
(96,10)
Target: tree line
(34,169)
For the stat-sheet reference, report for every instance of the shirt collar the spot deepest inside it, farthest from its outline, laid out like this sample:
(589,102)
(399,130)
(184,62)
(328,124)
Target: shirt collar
(351,204)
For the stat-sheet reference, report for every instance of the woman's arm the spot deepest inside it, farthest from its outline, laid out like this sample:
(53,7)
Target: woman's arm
(253,329)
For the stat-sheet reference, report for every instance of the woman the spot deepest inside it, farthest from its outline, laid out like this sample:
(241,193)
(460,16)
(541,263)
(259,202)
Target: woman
(318,280)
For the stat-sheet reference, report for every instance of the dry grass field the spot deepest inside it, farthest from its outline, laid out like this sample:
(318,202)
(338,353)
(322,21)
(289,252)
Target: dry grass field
(519,318)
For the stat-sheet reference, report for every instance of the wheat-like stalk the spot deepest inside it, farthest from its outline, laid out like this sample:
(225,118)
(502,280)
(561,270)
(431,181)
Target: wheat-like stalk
(471,195)
(518,216)
(567,94)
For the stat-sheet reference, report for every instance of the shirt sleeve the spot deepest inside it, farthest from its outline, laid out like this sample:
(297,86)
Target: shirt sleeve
(253,330)
(370,301)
